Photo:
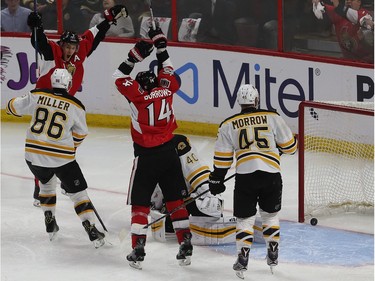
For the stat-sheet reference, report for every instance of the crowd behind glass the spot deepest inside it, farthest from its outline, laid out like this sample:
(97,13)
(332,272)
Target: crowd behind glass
(252,23)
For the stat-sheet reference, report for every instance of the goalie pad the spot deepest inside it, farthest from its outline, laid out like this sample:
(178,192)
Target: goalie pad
(205,230)
(159,229)
(219,231)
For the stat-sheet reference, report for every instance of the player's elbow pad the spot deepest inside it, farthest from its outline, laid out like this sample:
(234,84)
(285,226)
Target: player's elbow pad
(126,68)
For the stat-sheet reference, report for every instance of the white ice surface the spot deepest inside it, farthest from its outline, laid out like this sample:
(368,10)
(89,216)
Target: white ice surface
(106,158)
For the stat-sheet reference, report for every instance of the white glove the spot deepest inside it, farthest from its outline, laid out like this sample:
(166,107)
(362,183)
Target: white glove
(318,9)
(367,22)
(210,205)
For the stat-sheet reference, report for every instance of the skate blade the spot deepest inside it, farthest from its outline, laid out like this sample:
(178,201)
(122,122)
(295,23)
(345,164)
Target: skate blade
(136,264)
(98,243)
(52,236)
(185,262)
(271,268)
(240,274)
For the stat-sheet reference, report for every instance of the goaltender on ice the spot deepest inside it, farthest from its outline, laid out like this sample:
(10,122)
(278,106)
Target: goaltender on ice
(208,224)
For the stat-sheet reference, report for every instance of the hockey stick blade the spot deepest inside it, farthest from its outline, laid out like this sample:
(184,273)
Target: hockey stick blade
(99,218)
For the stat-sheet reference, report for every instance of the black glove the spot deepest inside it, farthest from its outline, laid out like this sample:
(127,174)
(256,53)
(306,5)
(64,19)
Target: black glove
(114,13)
(34,20)
(157,36)
(216,184)
(140,51)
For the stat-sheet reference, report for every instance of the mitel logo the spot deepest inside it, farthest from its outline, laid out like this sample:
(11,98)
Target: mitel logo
(287,90)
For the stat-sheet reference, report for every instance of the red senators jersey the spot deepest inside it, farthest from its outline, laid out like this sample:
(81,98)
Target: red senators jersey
(74,65)
(347,36)
(152,117)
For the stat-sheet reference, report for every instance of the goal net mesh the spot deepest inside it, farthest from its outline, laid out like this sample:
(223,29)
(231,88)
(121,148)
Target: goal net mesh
(338,157)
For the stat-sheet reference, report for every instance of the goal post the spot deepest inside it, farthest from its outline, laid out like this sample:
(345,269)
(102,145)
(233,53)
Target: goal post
(336,157)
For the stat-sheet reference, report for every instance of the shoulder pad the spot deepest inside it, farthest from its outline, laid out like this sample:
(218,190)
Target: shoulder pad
(182,144)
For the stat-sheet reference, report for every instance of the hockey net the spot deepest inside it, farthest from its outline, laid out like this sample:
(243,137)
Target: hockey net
(336,158)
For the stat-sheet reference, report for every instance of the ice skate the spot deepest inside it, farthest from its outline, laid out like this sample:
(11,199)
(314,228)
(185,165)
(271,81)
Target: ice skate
(136,257)
(51,226)
(272,254)
(185,251)
(95,235)
(240,266)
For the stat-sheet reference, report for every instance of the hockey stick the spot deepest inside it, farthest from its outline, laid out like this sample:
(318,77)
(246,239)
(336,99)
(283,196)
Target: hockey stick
(187,202)
(152,15)
(97,215)
(36,46)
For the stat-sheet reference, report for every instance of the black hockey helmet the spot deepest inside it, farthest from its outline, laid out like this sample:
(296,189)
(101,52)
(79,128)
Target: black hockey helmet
(147,79)
(69,37)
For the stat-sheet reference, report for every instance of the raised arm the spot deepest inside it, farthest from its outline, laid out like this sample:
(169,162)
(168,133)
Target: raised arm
(34,21)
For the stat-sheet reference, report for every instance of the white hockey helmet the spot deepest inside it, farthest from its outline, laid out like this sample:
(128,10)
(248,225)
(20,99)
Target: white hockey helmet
(248,94)
(61,78)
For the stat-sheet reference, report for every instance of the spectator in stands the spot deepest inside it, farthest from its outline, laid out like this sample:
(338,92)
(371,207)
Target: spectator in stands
(72,16)
(217,24)
(356,15)
(14,17)
(40,5)
(266,17)
(136,9)
(89,8)
(124,26)
(349,35)
(162,8)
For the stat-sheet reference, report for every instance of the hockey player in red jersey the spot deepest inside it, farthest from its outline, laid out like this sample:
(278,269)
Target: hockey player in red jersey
(58,126)
(70,52)
(156,161)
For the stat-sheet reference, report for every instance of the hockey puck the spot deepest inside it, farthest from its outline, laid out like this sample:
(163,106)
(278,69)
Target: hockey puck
(314,221)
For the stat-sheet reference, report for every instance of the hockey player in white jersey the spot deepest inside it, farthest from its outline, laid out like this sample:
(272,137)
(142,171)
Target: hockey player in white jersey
(58,126)
(254,138)
(208,225)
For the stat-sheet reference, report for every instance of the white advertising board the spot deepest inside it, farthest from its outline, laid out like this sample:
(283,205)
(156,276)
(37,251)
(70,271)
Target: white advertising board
(210,79)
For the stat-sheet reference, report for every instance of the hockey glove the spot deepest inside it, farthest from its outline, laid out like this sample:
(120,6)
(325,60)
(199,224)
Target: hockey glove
(34,20)
(216,184)
(157,36)
(112,14)
(140,51)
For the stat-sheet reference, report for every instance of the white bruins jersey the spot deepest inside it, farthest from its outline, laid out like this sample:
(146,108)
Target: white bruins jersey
(58,126)
(195,172)
(255,138)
